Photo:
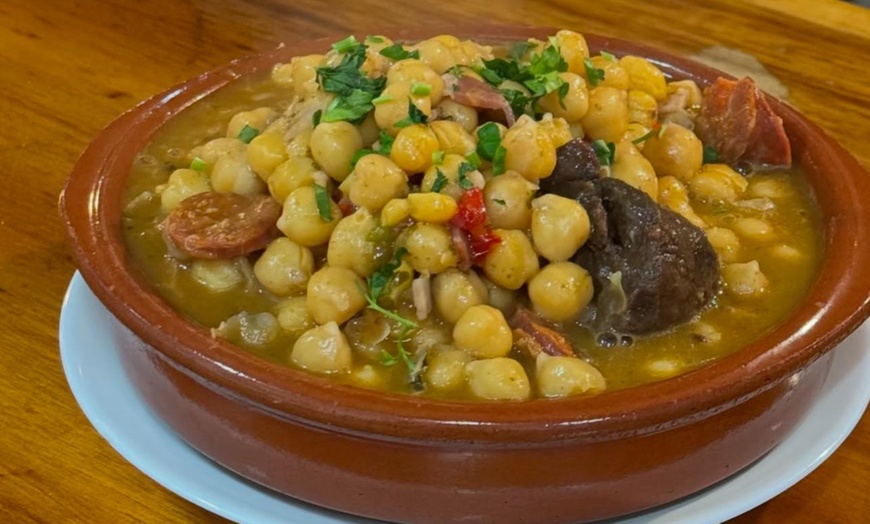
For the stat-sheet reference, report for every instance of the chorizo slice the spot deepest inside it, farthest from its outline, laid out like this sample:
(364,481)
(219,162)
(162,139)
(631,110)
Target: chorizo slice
(738,122)
(472,92)
(532,336)
(223,225)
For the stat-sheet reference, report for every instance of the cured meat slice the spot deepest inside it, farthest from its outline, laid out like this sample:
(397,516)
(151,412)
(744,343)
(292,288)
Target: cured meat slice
(472,92)
(738,122)
(220,226)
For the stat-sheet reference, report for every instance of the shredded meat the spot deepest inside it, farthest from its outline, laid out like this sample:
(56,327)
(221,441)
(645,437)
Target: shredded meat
(533,337)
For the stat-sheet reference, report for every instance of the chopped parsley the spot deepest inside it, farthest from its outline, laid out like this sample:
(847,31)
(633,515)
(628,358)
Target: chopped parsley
(711,156)
(438,157)
(343,46)
(353,107)
(197,164)
(540,76)
(605,151)
(651,133)
(383,99)
(415,116)
(593,74)
(420,89)
(488,140)
(248,133)
(473,158)
(385,143)
(375,39)
(464,181)
(353,89)
(398,52)
(402,355)
(440,181)
(499,201)
(498,160)
(315,118)
(608,56)
(324,207)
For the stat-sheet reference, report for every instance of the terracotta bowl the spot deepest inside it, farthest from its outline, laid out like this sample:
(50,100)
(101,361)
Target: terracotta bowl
(410,459)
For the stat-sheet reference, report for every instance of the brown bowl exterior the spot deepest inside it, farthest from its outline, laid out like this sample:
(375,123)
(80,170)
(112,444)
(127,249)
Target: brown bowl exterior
(405,458)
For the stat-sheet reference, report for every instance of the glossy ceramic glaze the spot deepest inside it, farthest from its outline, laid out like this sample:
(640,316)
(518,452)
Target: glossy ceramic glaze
(410,459)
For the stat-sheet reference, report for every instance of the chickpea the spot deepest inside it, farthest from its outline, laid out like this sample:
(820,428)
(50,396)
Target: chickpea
(293,316)
(395,108)
(449,168)
(503,299)
(507,199)
(453,138)
(558,129)
(395,211)
(429,248)
(642,108)
(446,370)
(293,173)
(767,187)
(217,275)
(745,280)
(560,291)
(673,195)
(482,332)
(690,88)
(377,180)
(607,118)
(437,54)
(725,243)
(559,227)
(410,71)
(476,52)
(558,377)
(755,229)
(412,150)
(334,295)
(573,48)
(369,376)
(216,148)
(498,379)
(300,144)
(323,349)
(232,174)
(675,151)
(431,207)
(368,130)
(301,220)
(333,145)
(717,183)
(630,166)
(265,152)
(284,267)
(454,291)
(574,105)
(367,334)
(614,74)
(529,149)
(512,261)
(302,75)
(256,118)
(456,112)
(633,132)
(644,76)
(349,245)
(183,183)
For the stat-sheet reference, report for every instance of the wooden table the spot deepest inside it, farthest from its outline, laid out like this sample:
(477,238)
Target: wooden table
(68,68)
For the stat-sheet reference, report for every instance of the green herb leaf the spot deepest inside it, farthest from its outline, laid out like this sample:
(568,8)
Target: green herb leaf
(520,49)
(605,151)
(711,156)
(517,100)
(488,140)
(352,108)
(402,355)
(343,46)
(474,159)
(490,76)
(505,70)
(464,181)
(248,133)
(397,52)
(415,116)
(563,92)
(383,99)
(375,39)
(608,56)
(420,89)
(197,164)
(385,143)
(499,201)
(550,60)
(438,157)
(359,154)
(440,181)
(380,278)
(593,74)
(498,160)
(346,77)
(544,84)
(315,118)
(324,203)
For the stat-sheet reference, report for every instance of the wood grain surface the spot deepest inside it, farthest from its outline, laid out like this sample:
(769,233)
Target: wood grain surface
(68,68)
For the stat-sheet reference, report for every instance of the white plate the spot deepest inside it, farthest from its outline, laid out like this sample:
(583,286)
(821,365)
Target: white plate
(97,380)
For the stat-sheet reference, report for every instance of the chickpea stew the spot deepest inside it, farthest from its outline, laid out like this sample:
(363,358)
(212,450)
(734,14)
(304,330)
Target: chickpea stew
(476,222)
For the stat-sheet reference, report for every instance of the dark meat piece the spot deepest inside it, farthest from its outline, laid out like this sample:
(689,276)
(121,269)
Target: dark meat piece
(652,269)
(576,162)
(219,226)
(737,122)
(533,337)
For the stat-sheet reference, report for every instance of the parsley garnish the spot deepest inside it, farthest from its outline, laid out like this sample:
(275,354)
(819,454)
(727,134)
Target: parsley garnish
(608,56)
(541,76)
(488,140)
(420,89)
(499,201)
(315,118)
(440,181)
(354,90)
(385,143)
(415,116)
(397,52)
(197,164)
(353,107)
(605,151)
(321,197)
(593,74)
(383,99)
(438,157)
(498,160)
(375,39)
(473,158)
(248,133)
(651,133)
(343,46)
(464,181)
(711,156)
(388,359)
(520,49)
